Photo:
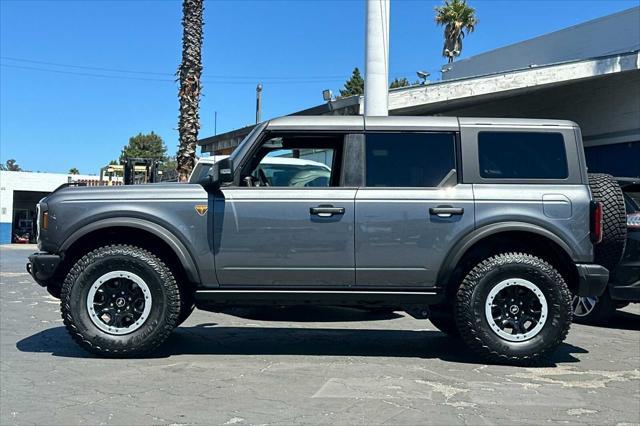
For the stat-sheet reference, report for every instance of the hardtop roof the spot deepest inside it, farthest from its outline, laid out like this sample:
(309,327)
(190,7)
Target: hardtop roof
(359,123)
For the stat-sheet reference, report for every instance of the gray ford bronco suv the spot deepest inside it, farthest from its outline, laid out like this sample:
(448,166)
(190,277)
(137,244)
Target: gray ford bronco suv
(486,226)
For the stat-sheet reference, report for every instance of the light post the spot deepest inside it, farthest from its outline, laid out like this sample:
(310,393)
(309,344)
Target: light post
(258,102)
(376,72)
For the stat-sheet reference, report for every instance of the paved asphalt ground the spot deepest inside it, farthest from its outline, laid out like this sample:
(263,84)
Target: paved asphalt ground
(312,366)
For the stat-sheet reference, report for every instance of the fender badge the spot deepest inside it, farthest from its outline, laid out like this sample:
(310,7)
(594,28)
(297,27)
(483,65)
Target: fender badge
(201,209)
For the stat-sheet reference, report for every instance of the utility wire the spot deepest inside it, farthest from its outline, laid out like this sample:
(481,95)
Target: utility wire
(86,74)
(169,77)
(204,75)
(322,78)
(32,61)
(125,77)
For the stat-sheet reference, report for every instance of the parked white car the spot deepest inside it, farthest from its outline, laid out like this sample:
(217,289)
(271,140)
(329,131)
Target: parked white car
(274,171)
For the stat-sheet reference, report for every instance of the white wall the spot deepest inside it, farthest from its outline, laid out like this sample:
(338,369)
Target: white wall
(27,181)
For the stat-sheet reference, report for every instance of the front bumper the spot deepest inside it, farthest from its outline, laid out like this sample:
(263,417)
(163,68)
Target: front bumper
(593,279)
(42,267)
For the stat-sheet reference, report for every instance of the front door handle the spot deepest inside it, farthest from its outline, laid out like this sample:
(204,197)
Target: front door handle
(326,210)
(446,211)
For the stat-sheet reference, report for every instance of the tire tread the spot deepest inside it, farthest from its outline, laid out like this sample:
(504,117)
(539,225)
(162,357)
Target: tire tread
(171,290)
(466,320)
(606,190)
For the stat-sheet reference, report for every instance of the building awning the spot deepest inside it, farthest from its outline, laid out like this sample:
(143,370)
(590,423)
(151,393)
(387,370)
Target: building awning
(452,94)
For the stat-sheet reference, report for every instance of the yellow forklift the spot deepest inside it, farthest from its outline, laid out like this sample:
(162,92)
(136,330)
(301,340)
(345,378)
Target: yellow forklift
(133,171)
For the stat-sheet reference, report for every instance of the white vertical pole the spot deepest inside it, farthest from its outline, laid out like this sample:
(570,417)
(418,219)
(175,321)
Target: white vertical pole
(376,91)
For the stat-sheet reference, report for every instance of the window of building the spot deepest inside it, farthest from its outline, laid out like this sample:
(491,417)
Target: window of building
(618,159)
(522,155)
(409,159)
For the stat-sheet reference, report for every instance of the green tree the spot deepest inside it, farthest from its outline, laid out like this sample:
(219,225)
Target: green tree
(74,171)
(145,146)
(354,86)
(189,95)
(458,19)
(10,166)
(399,82)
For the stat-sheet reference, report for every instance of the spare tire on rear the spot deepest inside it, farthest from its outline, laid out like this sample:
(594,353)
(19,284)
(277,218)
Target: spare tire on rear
(606,190)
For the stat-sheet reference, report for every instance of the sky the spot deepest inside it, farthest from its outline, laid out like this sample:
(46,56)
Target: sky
(78,78)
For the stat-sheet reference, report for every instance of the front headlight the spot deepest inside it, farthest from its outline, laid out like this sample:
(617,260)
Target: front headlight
(42,219)
(38,218)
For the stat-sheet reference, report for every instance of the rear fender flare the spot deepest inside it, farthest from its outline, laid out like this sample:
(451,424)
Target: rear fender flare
(465,243)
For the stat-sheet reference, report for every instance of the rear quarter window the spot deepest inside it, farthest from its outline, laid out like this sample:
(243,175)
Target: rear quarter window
(522,155)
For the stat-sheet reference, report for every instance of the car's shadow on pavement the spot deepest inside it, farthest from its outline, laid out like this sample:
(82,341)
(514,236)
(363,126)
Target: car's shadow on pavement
(214,339)
(622,320)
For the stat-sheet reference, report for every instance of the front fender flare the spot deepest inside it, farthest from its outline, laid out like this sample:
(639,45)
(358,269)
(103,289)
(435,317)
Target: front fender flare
(153,228)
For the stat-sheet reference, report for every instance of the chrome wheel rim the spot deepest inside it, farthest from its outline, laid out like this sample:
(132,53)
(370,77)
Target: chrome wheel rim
(516,310)
(119,302)
(583,306)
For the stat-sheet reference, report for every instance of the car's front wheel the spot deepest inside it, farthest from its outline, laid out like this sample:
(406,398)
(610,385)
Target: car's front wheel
(513,308)
(120,300)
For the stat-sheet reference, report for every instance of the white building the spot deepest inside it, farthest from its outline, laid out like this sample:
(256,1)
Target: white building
(19,194)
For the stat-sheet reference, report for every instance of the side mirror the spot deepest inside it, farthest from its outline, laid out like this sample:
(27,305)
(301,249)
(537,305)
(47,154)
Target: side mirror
(220,174)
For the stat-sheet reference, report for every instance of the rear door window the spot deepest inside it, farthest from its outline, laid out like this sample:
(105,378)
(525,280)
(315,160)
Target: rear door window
(522,155)
(405,160)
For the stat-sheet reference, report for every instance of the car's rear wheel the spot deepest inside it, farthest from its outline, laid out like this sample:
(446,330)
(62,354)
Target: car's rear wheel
(120,300)
(513,308)
(606,190)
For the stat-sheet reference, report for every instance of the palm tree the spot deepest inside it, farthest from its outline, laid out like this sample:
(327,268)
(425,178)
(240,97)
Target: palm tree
(457,17)
(189,94)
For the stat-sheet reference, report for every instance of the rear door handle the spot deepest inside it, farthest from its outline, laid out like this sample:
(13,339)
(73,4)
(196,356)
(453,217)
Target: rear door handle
(326,210)
(446,211)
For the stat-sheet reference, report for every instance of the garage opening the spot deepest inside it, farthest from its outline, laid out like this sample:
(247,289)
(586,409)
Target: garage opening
(24,216)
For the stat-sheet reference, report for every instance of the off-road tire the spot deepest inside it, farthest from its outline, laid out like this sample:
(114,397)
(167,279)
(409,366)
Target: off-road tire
(187,305)
(444,319)
(600,314)
(165,296)
(472,296)
(54,290)
(606,190)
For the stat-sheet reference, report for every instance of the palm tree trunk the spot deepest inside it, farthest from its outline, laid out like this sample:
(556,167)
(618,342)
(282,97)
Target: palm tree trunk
(189,94)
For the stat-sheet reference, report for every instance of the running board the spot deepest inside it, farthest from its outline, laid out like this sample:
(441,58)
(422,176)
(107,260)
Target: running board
(209,298)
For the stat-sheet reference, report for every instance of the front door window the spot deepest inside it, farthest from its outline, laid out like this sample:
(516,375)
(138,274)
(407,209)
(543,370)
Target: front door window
(295,161)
